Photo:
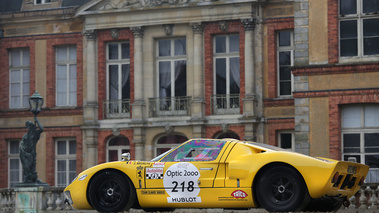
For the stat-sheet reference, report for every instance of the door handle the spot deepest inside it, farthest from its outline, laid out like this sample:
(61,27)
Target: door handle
(206,168)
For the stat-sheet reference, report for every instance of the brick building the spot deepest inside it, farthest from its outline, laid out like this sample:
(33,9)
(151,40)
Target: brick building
(143,76)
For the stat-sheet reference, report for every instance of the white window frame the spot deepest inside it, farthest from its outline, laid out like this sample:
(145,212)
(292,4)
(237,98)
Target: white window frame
(24,85)
(67,157)
(17,157)
(359,17)
(67,63)
(361,130)
(290,49)
(292,139)
(172,59)
(117,148)
(227,55)
(119,62)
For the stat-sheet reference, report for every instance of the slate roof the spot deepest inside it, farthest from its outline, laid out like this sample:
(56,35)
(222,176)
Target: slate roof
(15,5)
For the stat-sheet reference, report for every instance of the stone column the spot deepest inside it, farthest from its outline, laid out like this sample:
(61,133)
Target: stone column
(90,109)
(250,96)
(139,103)
(198,102)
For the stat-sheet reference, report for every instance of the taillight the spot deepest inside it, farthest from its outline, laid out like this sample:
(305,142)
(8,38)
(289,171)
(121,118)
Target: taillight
(361,181)
(335,177)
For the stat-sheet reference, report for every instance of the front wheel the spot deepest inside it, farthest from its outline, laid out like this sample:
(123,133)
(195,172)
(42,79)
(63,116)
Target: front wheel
(110,191)
(281,189)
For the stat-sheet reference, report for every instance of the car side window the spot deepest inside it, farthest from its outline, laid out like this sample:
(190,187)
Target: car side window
(196,150)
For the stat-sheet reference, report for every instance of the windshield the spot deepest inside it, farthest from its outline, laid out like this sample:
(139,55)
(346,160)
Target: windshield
(161,155)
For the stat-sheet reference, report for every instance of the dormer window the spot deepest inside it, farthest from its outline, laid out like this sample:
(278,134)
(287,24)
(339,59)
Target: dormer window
(42,1)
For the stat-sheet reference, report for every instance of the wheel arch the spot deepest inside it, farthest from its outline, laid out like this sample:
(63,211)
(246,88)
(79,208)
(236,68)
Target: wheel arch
(266,167)
(103,170)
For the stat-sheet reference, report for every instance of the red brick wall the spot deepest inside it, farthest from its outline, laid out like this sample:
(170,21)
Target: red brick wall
(333,31)
(103,37)
(210,30)
(105,135)
(276,125)
(272,73)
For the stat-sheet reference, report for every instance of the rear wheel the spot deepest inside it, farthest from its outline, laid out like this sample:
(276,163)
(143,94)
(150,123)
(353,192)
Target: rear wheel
(110,191)
(281,189)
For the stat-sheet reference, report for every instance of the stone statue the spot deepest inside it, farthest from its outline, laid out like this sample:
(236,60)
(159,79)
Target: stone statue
(28,152)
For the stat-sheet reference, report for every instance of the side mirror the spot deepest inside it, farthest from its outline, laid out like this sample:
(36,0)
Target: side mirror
(125,156)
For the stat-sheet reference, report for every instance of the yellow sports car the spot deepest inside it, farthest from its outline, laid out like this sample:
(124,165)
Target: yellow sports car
(218,173)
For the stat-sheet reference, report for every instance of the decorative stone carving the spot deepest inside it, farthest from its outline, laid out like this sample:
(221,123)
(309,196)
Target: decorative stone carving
(90,34)
(169,129)
(224,127)
(249,23)
(115,131)
(168,29)
(125,4)
(197,27)
(114,33)
(223,26)
(137,32)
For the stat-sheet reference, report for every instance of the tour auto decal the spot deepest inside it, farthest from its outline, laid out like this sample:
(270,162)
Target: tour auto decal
(180,183)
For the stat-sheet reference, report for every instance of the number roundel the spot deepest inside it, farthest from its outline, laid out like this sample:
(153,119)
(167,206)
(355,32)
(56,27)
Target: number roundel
(180,182)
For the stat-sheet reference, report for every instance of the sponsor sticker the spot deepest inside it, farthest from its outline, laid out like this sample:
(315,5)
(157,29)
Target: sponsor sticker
(239,194)
(158,164)
(180,182)
(153,192)
(154,173)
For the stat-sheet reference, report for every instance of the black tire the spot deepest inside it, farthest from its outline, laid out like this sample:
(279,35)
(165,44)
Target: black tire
(110,191)
(281,189)
(327,204)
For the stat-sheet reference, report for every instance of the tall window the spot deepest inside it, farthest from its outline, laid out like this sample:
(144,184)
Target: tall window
(118,63)
(360,137)
(359,31)
(286,140)
(167,142)
(65,161)
(285,61)
(116,146)
(226,72)
(14,163)
(172,68)
(19,69)
(66,76)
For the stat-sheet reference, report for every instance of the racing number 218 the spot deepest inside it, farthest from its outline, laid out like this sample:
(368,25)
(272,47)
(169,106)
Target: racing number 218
(189,188)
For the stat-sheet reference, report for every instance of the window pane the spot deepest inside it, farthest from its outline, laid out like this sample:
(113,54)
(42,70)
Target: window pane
(371,142)
(370,27)
(285,88)
(125,81)
(14,164)
(220,44)
(234,45)
(371,116)
(370,6)
(112,51)
(372,161)
(61,167)
(286,140)
(164,79)
(113,82)
(72,50)
(15,57)
(285,73)
(351,143)
(26,75)
(112,155)
(351,117)
(180,46)
(72,165)
(125,50)
(72,147)
(348,29)
(284,38)
(349,47)
(61,53)
(180,78)
(118,141)
(13,147)
(348,7)
(234,78)
(371,46)
(61,147)
(164,47)
(220,76)
(285,58)
(25,58)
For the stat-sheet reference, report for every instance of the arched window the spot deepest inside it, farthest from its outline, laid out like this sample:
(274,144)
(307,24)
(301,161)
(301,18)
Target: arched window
(116,146)
(165,143)
(228,135)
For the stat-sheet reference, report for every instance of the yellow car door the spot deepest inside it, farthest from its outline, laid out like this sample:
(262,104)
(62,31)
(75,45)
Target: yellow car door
(187,173)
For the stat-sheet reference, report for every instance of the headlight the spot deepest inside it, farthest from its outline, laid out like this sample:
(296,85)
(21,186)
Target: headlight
(82,177)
